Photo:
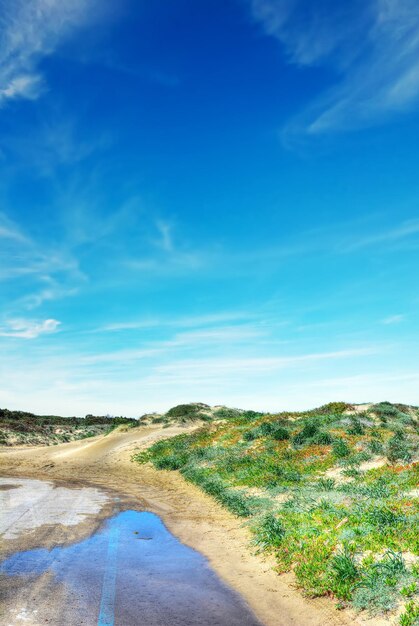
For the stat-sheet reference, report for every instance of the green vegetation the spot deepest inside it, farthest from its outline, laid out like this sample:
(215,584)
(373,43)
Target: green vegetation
(410,617)
(187,411)
(330,493)
(22,428)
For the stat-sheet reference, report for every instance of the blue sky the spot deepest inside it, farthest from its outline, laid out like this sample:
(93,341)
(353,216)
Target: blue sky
(208,201)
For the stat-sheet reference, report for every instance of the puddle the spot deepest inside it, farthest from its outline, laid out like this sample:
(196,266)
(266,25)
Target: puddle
(132,571)
(28,504)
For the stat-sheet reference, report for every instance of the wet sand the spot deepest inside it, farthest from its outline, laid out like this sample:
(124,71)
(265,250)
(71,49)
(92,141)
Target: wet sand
(131,570)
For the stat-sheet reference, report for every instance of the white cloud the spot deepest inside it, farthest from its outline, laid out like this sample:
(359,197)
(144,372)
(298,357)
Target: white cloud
(199,339)
(182,322)
(9,230)
(28,87)
(218,368)
(41,379)
(371,46)
(38,272)
(398,232)
(30,31)
(165,242)
(393,319)
(28,329)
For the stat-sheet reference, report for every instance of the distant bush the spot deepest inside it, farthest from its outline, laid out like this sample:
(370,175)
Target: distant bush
(226,413)
(333,408)
(181,410)
(251,415)
(386,411)
(312,433)
(187,412)
(267,429)
(24,427)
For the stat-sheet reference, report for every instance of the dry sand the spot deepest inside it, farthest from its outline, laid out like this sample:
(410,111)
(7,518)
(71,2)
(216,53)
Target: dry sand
(195,518)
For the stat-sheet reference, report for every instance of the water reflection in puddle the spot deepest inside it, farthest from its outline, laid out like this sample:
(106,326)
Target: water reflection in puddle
(133,571)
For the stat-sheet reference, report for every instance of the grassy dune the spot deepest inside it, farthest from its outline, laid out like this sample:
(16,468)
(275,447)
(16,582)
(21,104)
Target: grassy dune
(22,428)
(332,493)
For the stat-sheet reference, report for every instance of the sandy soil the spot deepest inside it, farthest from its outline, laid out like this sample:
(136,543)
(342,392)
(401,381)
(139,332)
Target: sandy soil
(191,515)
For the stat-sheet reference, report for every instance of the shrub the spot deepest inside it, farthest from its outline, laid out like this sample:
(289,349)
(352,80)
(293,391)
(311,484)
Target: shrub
(383,516)
(345,573)
(375,446)
(252,434)
(236,502)
(326,484)
(269,533)
(225,413)
(385,409)
(356,427)
(377,489)
(185,410)
(312,571)
(398,448)
(267,429)
(309,430)
(280,433)
(252,415)
(341,448)
(377,591)
(375,597)
(334,408)
(170,462)
(322,438)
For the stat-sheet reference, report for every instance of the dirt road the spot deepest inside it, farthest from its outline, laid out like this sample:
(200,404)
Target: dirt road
(193,517)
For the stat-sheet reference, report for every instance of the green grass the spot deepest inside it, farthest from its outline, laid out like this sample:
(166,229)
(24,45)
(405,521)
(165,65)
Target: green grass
(342,535)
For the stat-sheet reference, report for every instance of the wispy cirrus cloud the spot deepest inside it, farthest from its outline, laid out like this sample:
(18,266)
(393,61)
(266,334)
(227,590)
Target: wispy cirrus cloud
(399,232)
(182,322)
(29,32)
(10,231)
(214,366)
(28,329)
(371,47)
(339,239)
(215,337)
(37,270)
(21,255)
(393,319)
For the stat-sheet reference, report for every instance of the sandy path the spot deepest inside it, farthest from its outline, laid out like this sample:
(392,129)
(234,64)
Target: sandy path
(191,515)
